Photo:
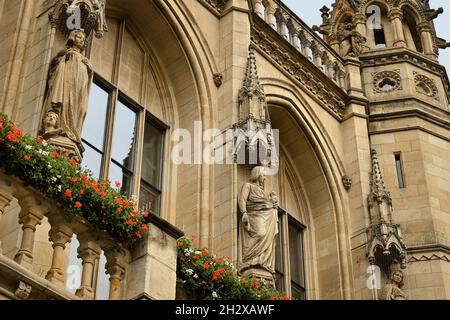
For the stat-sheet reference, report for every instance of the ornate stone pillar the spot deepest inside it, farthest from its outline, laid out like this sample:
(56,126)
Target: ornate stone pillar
(270,13)
(115,267)
(5,200)
(30,217)
(89,252)
(258,7)
(360,22)
(282,24)
(317,55)
(396,17)
(60,235)
(425,30)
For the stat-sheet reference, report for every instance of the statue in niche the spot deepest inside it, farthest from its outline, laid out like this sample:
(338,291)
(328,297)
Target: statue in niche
(352,42)
(259,225)
(393,290)
(66,101)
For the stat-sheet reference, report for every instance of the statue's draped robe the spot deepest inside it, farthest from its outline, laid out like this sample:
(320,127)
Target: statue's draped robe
(258,242)
(393,292)
(69,85)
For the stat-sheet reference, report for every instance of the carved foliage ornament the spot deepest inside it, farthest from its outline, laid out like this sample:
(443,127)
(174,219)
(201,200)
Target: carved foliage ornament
(387,81)
(426,86)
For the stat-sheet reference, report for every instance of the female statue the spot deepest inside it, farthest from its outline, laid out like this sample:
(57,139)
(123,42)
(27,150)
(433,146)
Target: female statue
(68,87)
(259,225)
(393,289)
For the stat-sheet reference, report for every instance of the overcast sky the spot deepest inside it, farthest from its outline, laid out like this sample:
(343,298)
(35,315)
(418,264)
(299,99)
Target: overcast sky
(308,11)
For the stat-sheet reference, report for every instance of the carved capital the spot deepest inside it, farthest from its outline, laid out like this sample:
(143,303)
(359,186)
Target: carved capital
(395,13)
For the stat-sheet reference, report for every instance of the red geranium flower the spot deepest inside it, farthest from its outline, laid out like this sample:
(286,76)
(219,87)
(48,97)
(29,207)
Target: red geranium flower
(119,200)
(146,214)
(120,209)
(108,181)
(39,140)
(144,228)
(56,154)
(130,222)
(82,192)
(78,204)
(1,127)
(11,137)
(1,139)
(180,244)
(2,120)
(138,234)
(26,158)
(206,266)
(73,162)
(118,184)
(102,195)
(68,193)
(74,180)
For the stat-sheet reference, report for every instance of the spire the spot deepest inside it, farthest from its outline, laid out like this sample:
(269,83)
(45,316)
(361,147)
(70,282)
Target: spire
(378,192)
(251,86)
(385,244)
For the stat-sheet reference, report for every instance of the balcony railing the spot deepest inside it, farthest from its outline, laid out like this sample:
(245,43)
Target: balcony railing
(37,211)
(290,27)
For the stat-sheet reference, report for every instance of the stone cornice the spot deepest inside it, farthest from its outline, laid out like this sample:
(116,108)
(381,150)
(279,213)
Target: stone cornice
(215,6)
(299,68)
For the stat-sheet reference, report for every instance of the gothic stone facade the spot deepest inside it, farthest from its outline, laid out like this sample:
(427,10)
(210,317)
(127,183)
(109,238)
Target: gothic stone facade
(364,130)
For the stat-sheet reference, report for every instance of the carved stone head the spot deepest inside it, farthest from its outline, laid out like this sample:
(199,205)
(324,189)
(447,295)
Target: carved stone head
(347,182)
(77,39)
(397,278)
(51,121)
(258,175)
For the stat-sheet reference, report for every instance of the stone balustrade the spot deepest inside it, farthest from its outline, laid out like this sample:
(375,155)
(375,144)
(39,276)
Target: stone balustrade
(302,37)
(34,207)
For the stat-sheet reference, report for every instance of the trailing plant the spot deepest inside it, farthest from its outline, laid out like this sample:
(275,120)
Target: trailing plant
(207,277)
(75,189)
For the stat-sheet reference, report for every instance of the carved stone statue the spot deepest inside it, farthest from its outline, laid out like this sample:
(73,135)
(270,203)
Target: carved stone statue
(352,42)
(66,101)
(393,289)
(259,225)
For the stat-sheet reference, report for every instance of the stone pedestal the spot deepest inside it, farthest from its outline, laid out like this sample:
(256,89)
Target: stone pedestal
(260,274)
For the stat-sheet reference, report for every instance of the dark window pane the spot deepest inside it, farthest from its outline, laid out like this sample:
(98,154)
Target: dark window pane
(92,160)
(116,173)
(124,136)
(151,161)
(298,293)
(296,254)
(279,265)
(149,199)
(398,164)
(95,123)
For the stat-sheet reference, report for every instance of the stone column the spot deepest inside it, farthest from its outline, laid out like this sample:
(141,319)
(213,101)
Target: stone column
(396,17)
(115,267)
(424,30)
(89,252)
(5,200)
(258,6)
(270,14)
(30,217)
(360,22)
(281,24)
(60,235)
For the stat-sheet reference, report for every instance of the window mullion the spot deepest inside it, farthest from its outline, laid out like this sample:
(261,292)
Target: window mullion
(140,133)
(287,254)
(109,134)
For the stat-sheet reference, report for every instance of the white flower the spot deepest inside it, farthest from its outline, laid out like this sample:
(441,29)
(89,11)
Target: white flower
(195,276)
(44,143)
(54,180)
(49,166)
(215,295)
(58,176)
(189,271)
(197,252)
(28,147)
(187,253)
(59,188)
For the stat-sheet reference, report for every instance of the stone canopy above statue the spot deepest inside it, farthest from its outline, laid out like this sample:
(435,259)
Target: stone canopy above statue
(88,15)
